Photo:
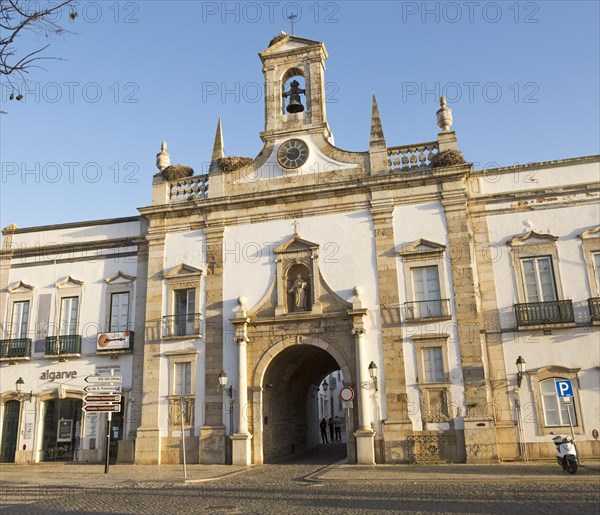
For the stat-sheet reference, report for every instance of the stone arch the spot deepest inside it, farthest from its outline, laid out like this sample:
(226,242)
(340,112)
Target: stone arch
(282,390)
(269,355)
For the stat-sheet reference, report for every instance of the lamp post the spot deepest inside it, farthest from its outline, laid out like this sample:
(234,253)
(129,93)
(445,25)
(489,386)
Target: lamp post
(20,394)
(520,365)
(373,374)
(229,392)
(325,386)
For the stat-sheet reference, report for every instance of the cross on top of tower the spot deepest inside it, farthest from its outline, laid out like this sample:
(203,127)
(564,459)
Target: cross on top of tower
(296,223)
(291,18)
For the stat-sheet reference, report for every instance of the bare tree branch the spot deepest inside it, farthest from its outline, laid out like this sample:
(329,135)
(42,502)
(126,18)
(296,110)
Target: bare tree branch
(18,17)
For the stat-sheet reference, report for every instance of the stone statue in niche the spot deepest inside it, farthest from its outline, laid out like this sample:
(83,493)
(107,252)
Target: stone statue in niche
(300,290)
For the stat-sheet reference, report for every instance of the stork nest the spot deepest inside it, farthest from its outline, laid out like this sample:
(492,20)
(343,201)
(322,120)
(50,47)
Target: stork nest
(229,164)
(175,172)
(447,158)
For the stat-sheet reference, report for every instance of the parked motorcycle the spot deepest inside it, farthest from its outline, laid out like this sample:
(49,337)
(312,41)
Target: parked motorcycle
(566,453)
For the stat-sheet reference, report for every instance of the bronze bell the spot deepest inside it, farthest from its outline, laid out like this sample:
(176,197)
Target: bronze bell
(295,106)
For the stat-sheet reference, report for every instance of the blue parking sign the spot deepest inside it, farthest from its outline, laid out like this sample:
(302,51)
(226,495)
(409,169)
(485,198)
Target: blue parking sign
(564,388)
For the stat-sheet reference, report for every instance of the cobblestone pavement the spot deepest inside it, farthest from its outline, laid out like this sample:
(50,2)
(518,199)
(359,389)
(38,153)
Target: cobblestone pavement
(305,487)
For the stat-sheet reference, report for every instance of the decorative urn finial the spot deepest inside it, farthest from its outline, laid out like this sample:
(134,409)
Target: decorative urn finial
(444,115)
(163,158)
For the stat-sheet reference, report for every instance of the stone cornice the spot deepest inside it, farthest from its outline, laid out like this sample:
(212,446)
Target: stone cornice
(230,204)
(73,225)
(67,248)
(543,164)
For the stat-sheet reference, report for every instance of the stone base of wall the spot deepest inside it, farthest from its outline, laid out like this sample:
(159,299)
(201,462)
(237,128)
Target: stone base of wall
(126,451)
(90,456)
(24,457)
(212,445)
(506,439)
(547,450)
(171,452)
(480,441)
(147,447)
(395,446)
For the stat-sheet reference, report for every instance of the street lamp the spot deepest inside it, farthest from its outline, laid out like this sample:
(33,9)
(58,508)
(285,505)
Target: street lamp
(229,392)
(520,364)
(373,373)
(325,385)
(19,387)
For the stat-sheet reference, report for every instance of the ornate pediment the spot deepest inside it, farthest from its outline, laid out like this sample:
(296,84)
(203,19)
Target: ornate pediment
(295,244)
(532,237)
(119,277)
(421,247)
(20,287)
(69,282)
(591,233)
(182,270)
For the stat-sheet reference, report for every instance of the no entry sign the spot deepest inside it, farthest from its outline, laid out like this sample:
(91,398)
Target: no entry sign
(347,394)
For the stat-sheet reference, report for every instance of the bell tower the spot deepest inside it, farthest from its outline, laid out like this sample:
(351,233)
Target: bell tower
(294,70)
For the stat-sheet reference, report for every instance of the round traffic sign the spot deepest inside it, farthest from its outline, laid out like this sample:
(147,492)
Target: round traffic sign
(347,394)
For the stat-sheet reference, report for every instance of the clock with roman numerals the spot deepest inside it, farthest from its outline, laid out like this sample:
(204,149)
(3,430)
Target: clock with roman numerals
(292,153)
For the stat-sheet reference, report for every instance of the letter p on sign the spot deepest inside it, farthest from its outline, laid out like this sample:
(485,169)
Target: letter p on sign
(564,388)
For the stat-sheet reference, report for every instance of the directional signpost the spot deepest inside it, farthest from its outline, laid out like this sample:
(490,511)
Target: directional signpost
(105,397)
(104,379)
(105,388)
(102,408)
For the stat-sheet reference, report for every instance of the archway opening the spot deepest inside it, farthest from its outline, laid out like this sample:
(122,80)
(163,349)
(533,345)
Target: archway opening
(291,409)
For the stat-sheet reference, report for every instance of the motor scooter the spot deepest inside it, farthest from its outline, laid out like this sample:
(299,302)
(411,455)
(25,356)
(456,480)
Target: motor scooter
(566,453)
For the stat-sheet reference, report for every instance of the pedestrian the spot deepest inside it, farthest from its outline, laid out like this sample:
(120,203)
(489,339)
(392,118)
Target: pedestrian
(323,426)
(331,428)
(337,424)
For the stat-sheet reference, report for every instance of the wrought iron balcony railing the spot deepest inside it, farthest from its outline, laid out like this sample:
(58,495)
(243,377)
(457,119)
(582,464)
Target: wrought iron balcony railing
(544,313)
(187,324)
(60,345)
(15,348)
(594,305)
(423,309)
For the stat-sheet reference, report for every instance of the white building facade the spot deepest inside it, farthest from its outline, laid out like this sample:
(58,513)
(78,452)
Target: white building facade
(416,279)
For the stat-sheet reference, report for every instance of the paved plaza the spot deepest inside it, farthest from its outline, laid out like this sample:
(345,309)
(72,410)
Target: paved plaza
(306,486)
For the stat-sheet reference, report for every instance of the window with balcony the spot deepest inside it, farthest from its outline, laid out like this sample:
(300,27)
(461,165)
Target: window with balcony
(535,261)
(424,277)
(183,318)
(16,343)
(69,311)
(68,341)
(590,246)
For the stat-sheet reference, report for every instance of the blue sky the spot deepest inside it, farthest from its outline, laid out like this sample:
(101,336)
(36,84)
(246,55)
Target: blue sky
(522,79)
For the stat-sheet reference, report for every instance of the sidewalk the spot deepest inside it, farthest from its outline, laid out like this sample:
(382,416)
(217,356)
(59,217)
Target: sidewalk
(72,474)
(538,470)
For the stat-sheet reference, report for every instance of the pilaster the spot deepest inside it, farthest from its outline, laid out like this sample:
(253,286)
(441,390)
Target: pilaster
(398,425)
(148,441)
(480,436)
(506,429)
(212,433)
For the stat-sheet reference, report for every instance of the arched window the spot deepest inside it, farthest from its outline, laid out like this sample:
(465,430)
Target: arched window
(555,411)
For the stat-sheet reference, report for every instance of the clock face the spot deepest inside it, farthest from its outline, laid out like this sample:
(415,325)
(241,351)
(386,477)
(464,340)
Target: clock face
(292,153)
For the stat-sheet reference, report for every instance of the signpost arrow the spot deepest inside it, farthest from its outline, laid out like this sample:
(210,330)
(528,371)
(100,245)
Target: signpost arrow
(104,388)
(102,398)
(104,379)
(102,408)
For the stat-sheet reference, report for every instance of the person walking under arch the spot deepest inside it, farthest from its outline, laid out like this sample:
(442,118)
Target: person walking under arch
(323,426)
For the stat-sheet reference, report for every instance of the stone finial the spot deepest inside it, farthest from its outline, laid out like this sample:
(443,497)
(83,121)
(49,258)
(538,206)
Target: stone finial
(242,301)
(355,299)
(377,138)
(11,228)
(163,158)
(444,115)
(218,146)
